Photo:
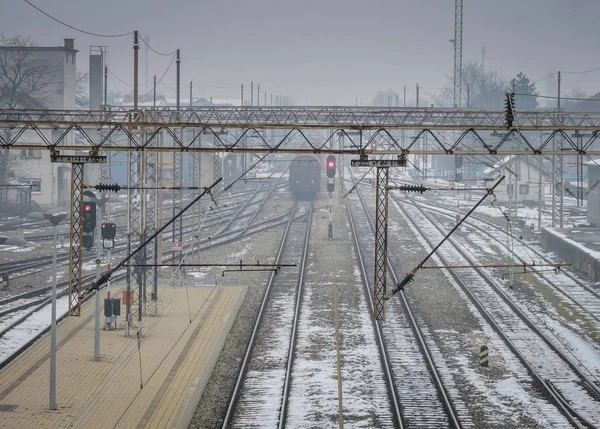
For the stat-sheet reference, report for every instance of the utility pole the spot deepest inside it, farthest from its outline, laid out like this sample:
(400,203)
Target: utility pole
(105,85)
(417,95)
(404,95)
(242,90)
(97,297)
(153,93)
(540,188)
(178,62)
(136,48)
(258,94)
(251,93)
(147,51)
(468,96)
(191,99)
(132,165)
(458,30)
(55,219)
(557,171)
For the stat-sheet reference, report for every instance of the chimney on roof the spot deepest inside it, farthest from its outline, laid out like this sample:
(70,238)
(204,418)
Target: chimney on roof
(69,43)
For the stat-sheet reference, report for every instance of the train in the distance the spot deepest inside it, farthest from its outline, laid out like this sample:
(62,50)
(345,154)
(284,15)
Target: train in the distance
(305,177)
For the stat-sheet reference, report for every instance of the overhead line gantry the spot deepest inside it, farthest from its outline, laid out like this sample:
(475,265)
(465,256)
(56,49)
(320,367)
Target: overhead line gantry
(140,129)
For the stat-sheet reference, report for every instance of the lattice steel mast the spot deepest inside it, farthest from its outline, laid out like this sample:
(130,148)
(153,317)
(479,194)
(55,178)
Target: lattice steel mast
(458,30)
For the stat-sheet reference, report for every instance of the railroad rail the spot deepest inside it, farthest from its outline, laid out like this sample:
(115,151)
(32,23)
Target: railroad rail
(572,391)
(33,304)
(237,393)
(578,292)
(422,399)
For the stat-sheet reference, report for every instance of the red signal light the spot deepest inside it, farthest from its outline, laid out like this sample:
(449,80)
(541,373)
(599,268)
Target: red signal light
(87,207)
(374,144)
(331,164)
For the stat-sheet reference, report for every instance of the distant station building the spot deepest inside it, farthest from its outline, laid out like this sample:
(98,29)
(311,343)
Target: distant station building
(528,171)
(593,192)
(55,66)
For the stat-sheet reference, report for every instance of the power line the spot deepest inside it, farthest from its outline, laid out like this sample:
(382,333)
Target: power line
(583,72)
(562,98)
(167,86)
(116,86)
(544,78)
(163,76)
(216,86)
(122,81)
(154,50)
(75,28)
(118,78)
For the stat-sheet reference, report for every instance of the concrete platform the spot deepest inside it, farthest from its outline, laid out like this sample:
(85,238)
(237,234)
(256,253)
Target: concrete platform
(578,246)
(177,358)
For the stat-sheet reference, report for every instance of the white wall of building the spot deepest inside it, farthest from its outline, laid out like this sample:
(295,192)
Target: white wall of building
(51,182)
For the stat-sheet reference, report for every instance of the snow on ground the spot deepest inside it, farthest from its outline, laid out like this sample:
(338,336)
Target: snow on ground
(41,319)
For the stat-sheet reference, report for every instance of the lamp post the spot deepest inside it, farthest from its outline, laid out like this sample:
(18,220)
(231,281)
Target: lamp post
(55,219)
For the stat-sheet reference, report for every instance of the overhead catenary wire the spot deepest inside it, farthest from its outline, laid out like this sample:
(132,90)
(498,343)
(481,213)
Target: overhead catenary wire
(163,76)
(154,50)
(75,28)
(216,86)
(553,97)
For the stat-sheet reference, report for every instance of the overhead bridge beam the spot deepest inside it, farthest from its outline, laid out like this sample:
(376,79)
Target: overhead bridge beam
(348,118)
(469,142)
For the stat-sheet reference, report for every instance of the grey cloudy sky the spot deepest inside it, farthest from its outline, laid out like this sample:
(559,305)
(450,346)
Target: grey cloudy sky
(325,51)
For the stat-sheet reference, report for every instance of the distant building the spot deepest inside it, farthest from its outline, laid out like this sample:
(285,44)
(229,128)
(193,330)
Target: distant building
(593,192)
(50,183)
(528,170)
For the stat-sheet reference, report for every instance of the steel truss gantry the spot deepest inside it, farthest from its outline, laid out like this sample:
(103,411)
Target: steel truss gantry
(76,247)
(137,132)
(298,121)
(558,185)
(134,234)
(197,211)
(151,250)
(381,216)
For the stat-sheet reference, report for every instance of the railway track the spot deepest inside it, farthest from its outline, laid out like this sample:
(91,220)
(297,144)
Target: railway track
(568,385)
(216,221)
(420,397)
(566,284)
(17,312)
(265,380)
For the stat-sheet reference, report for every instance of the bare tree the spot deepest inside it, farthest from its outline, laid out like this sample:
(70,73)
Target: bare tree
(24,76)
(482,90)
(82,98)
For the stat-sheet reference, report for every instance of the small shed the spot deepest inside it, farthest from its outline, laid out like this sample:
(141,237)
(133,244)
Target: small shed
(528,170)
(593,192)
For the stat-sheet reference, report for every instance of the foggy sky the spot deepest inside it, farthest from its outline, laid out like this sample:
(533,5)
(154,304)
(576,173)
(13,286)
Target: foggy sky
(324,51)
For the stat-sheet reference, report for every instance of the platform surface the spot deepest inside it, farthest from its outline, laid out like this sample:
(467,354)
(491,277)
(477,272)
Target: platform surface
(176,357)
(588,239)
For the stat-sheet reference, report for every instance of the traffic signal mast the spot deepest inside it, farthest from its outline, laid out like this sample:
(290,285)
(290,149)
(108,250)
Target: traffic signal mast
(458,164)
(89,217)
(89,224)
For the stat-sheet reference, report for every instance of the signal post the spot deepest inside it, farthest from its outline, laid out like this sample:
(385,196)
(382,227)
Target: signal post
(76,234)
(331,167)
